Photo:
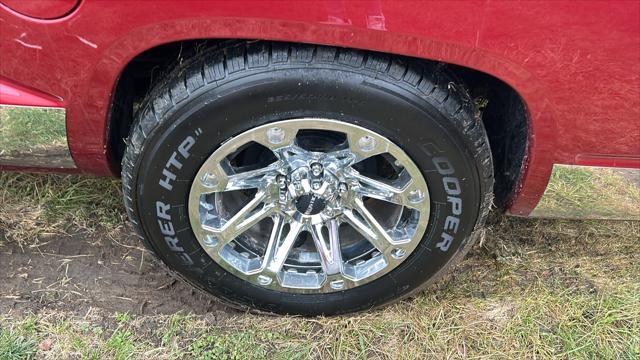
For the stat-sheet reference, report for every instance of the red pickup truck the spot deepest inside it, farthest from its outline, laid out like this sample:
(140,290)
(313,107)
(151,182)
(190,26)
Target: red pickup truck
(329,156)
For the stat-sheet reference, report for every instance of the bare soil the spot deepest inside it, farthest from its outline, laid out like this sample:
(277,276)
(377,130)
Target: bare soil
(83,272)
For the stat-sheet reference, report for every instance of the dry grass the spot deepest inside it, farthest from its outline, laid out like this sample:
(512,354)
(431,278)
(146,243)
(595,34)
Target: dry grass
(32,205)
(531,289)
(583,192)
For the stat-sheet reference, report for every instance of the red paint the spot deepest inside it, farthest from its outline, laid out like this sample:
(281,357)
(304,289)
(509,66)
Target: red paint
(14,94)
(576,64)
(41,9)
(608,161)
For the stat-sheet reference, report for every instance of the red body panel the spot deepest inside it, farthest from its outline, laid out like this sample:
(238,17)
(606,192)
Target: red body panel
(42,9)
(14,94)
(576,64)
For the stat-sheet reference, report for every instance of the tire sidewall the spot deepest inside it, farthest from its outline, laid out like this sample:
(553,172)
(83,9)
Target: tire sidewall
(214,114)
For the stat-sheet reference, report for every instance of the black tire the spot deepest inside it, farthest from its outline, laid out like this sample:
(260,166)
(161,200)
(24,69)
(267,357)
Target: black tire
(225,91)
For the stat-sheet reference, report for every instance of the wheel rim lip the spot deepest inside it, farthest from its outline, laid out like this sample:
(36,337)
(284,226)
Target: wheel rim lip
(259,134)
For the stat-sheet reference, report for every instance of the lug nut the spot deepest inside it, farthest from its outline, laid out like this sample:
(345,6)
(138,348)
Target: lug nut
(264,280)
(416,196)
(316,169)
(275,135)
(366,143)
(209,180)
(316,185)
(337,284)
(281,180)
(398,253)
(343,188)
(210,241)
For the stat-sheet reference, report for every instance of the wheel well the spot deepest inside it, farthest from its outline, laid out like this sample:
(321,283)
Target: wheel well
(506,121)
(504,112)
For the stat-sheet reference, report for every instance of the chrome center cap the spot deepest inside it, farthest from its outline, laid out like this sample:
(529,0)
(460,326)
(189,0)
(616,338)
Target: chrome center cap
(310,204)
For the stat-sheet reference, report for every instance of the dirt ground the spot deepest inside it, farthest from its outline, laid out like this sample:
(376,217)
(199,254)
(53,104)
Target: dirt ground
(83,272)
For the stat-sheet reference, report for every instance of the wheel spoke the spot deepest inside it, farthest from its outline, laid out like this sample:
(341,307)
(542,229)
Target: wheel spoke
(250,179)
(245,218)
(274,238)
(216,179)
(277,250)
(329,249)
(371,230)
(377,189)
(341,159)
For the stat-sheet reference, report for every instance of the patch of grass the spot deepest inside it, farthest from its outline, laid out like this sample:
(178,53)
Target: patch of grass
(560,324)
(36,204)
(536,321)
(121,344)
(123,318)
(38,127)
(581,192)
(177,324)
(18,341)
(16,347)
(230,346)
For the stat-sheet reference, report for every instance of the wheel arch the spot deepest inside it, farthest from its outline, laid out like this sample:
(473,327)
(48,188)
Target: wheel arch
(505,112)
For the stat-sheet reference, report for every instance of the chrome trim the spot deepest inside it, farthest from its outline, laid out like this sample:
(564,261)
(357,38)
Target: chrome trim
(591,192)
(34,137)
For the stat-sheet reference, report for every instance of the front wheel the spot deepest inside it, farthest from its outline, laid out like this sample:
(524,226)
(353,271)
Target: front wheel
(307,179)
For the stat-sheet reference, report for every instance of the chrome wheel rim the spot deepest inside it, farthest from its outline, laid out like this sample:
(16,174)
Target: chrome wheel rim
(309,206)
